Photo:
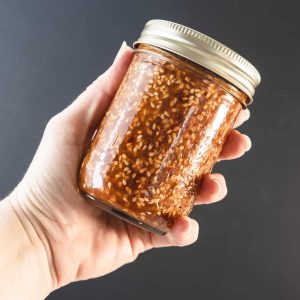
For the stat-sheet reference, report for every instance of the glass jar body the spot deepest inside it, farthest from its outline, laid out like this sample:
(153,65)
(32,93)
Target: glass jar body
(163,132)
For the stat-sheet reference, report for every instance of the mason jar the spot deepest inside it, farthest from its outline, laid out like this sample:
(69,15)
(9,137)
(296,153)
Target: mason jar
(166,125)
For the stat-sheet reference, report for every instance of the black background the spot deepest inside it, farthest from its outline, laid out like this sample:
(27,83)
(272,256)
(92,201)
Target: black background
(248,246)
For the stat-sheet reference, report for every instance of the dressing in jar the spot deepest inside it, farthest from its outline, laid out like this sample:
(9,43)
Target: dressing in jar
(166,125)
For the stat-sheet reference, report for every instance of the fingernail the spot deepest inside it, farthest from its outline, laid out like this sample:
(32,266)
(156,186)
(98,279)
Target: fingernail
(124,45)
(248,143)
(247,115)
(218,186)
(188,227)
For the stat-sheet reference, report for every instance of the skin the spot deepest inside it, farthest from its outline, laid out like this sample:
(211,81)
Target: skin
(50,235)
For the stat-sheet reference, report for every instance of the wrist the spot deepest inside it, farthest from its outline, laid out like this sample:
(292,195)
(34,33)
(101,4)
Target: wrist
(28,253)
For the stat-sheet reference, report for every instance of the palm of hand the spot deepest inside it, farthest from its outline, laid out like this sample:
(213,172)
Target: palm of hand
(85,241)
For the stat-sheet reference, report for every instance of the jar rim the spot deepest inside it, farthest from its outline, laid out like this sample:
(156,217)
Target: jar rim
(202,50)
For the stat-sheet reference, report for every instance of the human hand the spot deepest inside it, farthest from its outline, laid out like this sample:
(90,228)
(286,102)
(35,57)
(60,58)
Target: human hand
(81,241)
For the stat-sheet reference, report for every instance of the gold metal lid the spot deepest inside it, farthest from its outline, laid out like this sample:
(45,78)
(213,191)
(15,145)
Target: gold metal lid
(202,50)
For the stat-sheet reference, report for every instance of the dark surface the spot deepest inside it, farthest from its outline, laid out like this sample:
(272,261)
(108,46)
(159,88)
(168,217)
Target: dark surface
(249,245)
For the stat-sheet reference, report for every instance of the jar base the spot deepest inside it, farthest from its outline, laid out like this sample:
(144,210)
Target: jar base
(121,215)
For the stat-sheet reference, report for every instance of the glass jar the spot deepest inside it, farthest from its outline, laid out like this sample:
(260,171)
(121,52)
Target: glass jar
(166,125)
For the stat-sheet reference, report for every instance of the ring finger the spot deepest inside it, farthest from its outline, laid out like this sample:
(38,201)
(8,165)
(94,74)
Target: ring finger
(213,188)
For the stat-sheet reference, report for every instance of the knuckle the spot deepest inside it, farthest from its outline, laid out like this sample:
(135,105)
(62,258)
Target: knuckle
(55,125)
(53,122)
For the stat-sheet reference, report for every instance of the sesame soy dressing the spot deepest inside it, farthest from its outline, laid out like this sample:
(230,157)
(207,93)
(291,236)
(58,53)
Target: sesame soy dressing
(161,135)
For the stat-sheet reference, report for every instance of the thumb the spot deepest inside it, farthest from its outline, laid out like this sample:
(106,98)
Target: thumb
(89,108)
